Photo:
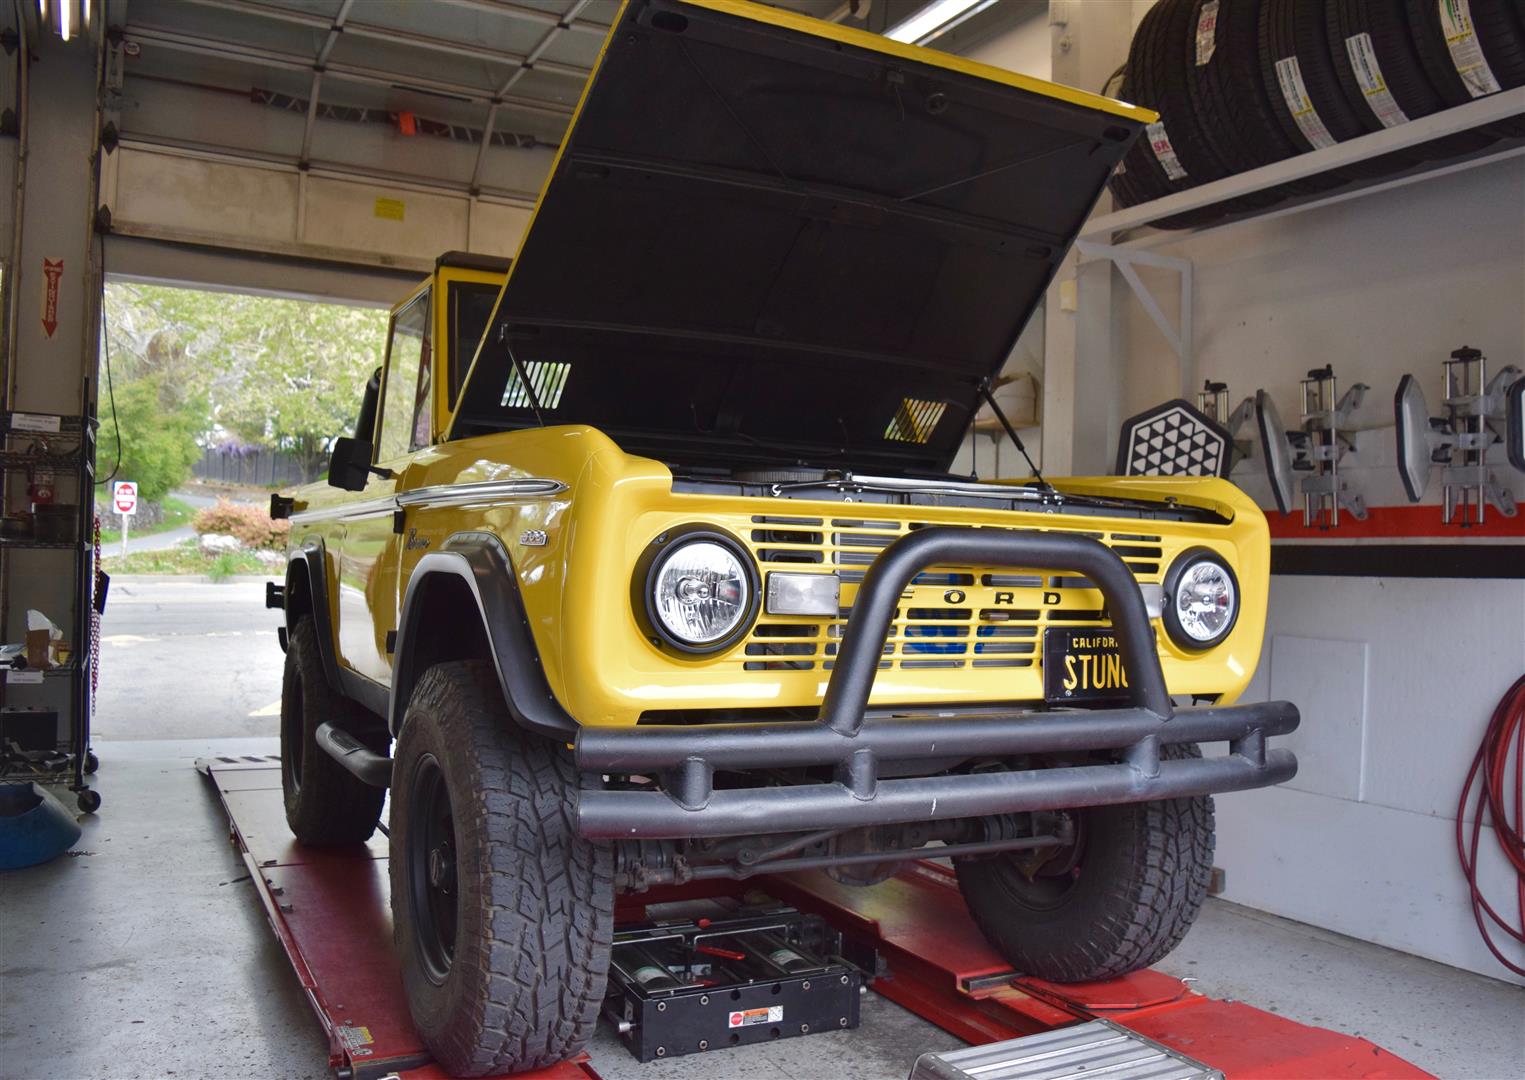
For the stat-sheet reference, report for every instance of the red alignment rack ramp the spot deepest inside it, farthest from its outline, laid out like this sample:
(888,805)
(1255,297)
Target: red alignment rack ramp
(331,911)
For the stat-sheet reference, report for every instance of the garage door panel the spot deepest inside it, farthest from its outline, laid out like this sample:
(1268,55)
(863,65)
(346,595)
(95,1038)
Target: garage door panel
(370,217)
(200,196)
(496,229)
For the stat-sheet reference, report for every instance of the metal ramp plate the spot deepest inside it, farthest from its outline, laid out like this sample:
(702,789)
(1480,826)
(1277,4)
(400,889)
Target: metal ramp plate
(1096,1049)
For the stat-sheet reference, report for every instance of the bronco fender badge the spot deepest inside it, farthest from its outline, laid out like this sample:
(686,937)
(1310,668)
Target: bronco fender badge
(415,542)
(533,538)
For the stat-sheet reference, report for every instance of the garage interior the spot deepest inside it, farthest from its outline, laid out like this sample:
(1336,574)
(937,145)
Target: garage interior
(334,150)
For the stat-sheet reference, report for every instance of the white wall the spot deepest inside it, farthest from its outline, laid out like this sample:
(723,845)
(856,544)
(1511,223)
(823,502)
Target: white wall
(1024,48)
(1377,286)
(1396,677)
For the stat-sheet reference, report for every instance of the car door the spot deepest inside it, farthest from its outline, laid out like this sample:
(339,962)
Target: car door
(368,561)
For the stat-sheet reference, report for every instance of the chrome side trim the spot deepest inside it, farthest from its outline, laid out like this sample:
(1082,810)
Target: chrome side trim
(346,512)
(483,493)
(486,491)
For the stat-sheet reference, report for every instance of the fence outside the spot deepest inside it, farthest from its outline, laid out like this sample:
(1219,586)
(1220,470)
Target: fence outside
(252,465)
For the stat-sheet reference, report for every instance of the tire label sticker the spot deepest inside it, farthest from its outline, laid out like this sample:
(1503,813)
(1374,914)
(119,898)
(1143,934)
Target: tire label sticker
(1304,115)
(1207,32)
(1363,61)
(1164,153)
(1466,50)
(769,1014)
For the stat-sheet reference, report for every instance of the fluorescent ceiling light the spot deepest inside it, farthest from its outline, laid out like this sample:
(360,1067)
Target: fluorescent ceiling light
(936,16)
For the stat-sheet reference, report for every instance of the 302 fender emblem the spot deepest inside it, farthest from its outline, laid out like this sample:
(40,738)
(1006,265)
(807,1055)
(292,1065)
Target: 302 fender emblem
(533,538)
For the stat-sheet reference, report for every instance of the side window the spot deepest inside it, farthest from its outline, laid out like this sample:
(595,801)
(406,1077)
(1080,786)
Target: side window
(405,413)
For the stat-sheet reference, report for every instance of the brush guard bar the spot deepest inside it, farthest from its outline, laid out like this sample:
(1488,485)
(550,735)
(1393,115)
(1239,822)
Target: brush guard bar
(686,758)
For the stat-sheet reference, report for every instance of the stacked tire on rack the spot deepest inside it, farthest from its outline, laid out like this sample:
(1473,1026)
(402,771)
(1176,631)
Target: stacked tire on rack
(1240,84)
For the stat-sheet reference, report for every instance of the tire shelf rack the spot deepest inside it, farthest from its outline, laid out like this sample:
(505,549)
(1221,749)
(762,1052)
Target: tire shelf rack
(1117,236)
(77,464)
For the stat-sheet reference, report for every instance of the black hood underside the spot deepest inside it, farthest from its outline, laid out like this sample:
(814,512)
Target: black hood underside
(763,242)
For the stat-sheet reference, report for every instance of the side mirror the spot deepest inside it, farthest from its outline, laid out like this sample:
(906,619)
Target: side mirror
(349,466)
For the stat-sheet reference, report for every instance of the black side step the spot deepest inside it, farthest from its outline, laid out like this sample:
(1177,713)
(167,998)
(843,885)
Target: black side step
(375,769)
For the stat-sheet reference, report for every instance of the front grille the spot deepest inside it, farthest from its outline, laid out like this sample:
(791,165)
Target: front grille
(947,620)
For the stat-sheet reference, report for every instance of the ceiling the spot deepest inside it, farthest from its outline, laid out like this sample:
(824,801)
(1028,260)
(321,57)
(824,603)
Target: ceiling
(202,72)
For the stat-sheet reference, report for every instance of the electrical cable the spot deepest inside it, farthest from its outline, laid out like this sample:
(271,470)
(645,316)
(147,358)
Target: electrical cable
(116,423)
(1489,772)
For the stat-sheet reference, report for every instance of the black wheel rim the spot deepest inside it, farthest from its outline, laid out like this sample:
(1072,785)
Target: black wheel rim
(293,733)
(432,869)
(1045,879)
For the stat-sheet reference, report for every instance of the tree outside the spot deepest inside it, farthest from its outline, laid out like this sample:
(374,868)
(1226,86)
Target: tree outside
(193,369)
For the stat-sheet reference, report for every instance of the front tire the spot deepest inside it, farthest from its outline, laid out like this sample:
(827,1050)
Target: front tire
(503,915)
(326,804)
(1117,900)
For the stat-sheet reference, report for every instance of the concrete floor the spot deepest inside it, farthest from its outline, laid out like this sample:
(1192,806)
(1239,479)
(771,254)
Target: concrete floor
(184,659)
(145,954)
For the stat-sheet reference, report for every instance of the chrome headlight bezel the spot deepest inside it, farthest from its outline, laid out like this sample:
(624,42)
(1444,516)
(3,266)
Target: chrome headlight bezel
(1171,616)
(644,582)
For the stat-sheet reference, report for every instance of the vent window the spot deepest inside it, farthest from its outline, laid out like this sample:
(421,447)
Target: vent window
(915,420)
(547,378)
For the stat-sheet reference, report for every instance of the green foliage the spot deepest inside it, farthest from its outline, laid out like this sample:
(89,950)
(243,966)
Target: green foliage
(252,525)
(187,560)
(159,423)
(285,374)
(224,566)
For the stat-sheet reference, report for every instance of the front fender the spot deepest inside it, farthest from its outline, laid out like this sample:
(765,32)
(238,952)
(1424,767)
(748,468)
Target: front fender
(479,562)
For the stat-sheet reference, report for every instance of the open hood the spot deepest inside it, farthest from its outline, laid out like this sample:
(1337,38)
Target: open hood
(768,238)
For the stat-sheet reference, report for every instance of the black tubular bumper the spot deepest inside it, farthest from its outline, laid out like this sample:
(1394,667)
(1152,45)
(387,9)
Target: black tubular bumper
(686,757)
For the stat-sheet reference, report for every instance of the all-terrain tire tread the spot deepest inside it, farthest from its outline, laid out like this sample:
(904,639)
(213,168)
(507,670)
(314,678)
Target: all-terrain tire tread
(1145,910)
(538,969)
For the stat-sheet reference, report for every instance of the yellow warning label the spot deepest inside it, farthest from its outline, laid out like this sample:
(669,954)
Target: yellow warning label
(390,209)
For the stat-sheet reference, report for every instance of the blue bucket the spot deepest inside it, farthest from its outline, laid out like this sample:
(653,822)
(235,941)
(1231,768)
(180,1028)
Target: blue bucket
(34,826)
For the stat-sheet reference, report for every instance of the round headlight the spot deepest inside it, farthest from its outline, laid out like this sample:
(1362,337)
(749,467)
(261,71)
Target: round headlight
(700,593)
(1201,600)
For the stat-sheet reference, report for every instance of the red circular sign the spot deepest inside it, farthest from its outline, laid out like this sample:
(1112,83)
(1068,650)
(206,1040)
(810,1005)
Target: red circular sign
(124,496)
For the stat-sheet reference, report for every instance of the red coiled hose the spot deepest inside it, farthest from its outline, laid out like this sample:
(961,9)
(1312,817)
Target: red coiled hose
(1489,772)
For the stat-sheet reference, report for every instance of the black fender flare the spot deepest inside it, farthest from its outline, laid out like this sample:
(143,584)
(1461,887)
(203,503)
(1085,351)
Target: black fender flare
(482,563)
(307,575)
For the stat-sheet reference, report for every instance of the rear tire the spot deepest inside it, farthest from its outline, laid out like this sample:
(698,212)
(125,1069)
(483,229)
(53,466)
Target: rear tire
(326,804)
(503,915)
(1118,900)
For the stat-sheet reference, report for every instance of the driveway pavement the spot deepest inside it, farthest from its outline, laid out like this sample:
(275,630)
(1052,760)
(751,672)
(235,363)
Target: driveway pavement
(186,659)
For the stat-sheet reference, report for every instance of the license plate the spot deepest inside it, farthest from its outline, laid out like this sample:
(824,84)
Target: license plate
(1082,665)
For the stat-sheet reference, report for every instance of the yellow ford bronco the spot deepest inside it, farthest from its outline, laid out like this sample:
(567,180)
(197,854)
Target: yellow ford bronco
(644,565)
